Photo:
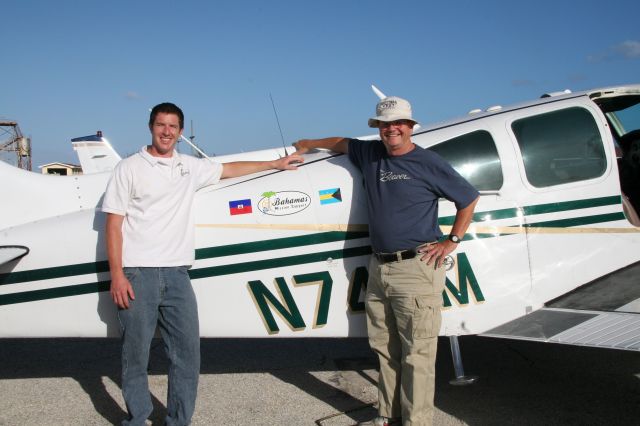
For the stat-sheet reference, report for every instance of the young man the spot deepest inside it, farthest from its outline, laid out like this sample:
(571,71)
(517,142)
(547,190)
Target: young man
(150,245)
(403,183)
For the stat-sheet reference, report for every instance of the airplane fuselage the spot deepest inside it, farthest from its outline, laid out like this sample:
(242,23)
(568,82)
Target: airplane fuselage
(286,253)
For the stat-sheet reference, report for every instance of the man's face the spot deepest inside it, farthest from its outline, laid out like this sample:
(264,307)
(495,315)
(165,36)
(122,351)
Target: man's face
(165,132)
(396,135)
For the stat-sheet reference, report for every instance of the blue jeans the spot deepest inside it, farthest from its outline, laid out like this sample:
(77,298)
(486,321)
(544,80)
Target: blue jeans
(164,297)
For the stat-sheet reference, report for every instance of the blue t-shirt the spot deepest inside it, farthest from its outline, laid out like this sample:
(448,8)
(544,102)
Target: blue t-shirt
(403,192)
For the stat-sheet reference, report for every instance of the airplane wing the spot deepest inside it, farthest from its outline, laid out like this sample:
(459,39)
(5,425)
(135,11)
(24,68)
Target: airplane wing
(9,253)
(604,313)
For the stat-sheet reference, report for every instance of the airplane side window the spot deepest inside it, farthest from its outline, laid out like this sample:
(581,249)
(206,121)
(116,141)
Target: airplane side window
(560,147)
(475,157)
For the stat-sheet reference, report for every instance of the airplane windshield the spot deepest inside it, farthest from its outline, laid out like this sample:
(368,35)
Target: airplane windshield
(628,119)
(622,112)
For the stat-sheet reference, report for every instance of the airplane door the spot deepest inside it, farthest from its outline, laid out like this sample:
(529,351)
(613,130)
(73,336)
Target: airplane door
(571,197)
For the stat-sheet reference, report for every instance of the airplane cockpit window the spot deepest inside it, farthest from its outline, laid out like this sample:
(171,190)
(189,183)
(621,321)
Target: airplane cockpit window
(560,147)
(475,157)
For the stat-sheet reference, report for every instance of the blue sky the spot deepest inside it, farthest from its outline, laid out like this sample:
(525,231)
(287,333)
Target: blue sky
(70,68)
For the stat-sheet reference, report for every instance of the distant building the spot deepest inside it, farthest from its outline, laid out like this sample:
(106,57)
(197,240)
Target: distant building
(62,169)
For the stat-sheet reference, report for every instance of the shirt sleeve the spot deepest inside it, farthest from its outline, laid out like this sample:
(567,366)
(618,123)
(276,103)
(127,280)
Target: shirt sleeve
(209,172)
(118,193)
(449,184)
(356,151)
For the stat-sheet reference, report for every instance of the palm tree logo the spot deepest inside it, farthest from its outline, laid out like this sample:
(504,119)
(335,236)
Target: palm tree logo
(266,201)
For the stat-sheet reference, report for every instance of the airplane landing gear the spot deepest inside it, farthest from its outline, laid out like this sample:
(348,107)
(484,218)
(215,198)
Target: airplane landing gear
(461,379)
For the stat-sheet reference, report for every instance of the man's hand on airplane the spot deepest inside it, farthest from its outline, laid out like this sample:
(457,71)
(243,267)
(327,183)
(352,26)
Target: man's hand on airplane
(302,146)
(290,162)
(121,291)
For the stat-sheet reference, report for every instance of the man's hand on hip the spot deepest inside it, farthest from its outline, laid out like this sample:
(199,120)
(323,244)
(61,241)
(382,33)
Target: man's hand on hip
(436,252)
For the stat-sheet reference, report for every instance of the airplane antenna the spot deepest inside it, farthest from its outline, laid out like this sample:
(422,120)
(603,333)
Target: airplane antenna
(278,121)
(378,92)
(191,138)
(196,148)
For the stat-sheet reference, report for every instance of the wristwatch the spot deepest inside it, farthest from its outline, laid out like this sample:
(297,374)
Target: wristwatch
(454,239)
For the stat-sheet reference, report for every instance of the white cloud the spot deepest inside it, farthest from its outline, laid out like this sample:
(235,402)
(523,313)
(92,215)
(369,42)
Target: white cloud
(629,49)
(131,95)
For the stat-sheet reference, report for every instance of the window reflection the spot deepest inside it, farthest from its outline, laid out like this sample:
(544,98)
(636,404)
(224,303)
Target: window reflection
(560,147)
(475,157)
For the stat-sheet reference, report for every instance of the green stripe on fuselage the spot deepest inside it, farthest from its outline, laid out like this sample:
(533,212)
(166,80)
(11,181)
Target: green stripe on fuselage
(539,209)
(205,253)
(289,242)
(78,289)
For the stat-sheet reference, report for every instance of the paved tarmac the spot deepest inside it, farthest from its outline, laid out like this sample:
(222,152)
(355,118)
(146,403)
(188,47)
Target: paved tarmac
(321,382)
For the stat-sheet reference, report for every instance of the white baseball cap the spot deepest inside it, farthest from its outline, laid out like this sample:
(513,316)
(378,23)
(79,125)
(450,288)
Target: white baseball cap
(391,108)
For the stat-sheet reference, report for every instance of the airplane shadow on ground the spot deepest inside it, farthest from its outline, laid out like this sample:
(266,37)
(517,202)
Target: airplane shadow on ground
(88,361)
(523,383)
(84,360)
(532,383)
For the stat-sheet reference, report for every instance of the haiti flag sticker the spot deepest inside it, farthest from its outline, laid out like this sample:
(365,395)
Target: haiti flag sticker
(240,207)
(330,196)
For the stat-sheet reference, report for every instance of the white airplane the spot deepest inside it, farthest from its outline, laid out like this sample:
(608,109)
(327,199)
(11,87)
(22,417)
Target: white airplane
(553,253)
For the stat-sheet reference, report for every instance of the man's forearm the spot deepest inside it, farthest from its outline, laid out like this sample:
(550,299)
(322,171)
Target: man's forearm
(114,243)
(121,290)
(336,143)
(463,219)
(241,168)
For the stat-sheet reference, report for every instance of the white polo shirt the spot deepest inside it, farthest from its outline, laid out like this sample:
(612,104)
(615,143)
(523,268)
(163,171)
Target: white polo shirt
(155,196)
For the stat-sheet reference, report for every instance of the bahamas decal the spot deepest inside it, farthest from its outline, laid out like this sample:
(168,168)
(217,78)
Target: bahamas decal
(330,196)
(283,203)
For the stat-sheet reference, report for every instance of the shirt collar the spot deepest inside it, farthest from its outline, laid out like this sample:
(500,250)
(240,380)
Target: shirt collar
(169,161)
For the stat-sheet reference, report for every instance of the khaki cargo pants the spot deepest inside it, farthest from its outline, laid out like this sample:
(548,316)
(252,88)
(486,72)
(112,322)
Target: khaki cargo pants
(403,302)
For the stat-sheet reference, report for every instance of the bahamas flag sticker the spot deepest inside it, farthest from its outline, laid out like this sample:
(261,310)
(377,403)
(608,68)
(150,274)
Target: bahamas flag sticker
(240,207)
(330,196)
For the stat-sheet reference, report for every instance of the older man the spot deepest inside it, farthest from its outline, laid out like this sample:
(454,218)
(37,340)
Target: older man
(403,183)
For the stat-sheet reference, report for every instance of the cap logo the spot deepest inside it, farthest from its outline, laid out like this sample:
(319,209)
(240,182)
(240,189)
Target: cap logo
(387,105)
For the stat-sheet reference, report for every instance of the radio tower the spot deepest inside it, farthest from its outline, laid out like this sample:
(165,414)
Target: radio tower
(14,147)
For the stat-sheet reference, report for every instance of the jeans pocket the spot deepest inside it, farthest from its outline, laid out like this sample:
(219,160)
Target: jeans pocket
(426,318)
(131,273)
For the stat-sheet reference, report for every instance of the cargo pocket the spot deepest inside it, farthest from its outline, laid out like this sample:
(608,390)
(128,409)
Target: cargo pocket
(426,318)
